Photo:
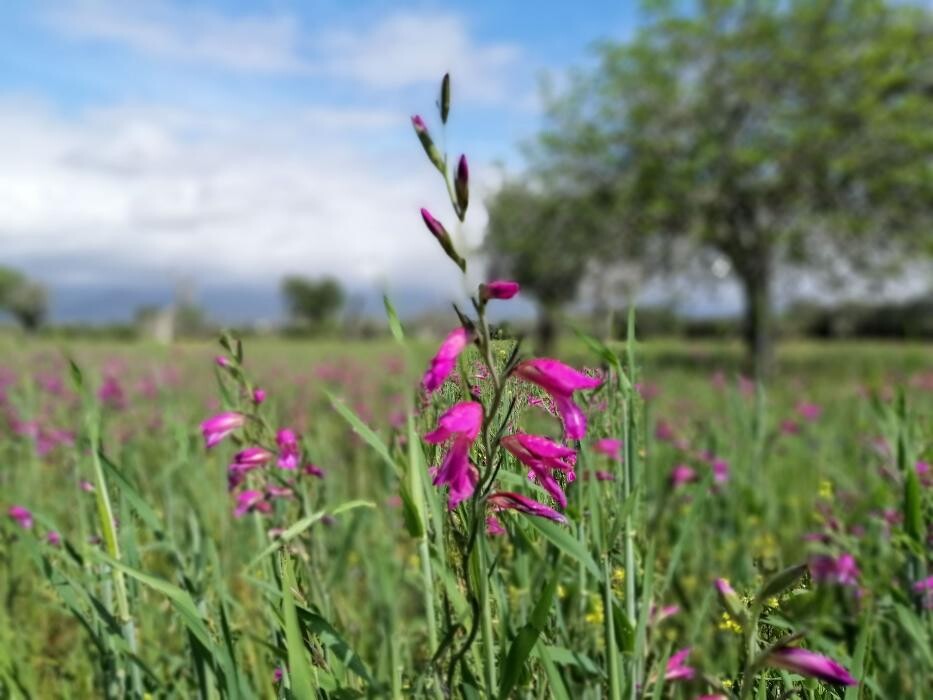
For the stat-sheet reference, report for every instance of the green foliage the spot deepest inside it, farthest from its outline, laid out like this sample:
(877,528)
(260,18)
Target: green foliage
(25,300)
(312,303)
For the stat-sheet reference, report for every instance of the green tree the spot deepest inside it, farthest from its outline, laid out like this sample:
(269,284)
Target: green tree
(312,303)
(25,300)
(771,132)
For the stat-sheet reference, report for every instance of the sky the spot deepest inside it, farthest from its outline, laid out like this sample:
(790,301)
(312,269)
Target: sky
(221,145)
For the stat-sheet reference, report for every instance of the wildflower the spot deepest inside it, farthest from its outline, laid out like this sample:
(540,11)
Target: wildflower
(790,427)
(729,599)
(720,471)
(596,615)
(259,395)
(727,623)
(289,454)
(53,538)
(21,515)
(462,422)
(421,130)
(611,447)
(493,526)
(222,361)
(658,615)
(507,500)
(924,588)
(677,670)
(810,412)
(924,472)
(440,233)
(841,570)
(86,486)
(249,501)
(809,663)
(244,462)
(220,426)
(542,455)
(442,364)
(274,491)
(313,470)
(647,390)
(111,393)
(664,432)
(498,289)
(604,475)
(682,474)
(826,489)
(560,381)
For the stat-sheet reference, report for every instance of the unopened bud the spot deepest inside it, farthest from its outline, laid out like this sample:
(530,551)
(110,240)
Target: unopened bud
(462,187)
(730,599)
(427,143)
(440,233)
(499,289)
(444,103)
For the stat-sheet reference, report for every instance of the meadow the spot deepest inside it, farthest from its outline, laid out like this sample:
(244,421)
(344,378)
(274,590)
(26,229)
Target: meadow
(719,538)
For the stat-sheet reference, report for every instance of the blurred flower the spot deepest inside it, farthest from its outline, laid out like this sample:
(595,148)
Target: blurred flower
(21,515)
(647,390)
(507,500)
(493,526)
(462,423)
(841,570)
(925,472)
(111,393)
(86,486)
(809,411)
(220,426)
(248,501)
(924,587)
(720,471)
(677,670)
(462,185)
(790,427)
(809,663)
(259,395)
(443,363)
(313,470)
(682,474)
(560,381)
(289,454)
(664,432)
(222,361)
(498,289)
(611,447)
(53,538)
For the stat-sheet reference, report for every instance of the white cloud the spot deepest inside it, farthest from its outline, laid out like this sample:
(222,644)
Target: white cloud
(396,51)
(164,192)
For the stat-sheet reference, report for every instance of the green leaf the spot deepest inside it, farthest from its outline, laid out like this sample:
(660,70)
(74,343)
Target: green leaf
(395,326)
(527,636)
(139,504)
(298,666)
(913,512)
(363,430)
(780,582)
(565,542)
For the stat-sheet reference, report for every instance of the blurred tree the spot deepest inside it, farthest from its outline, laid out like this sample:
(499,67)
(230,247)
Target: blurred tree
(25,300)
(767,132)
(312,303)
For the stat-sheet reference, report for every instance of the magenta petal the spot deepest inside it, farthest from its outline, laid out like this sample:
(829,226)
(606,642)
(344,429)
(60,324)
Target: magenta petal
(554,376)
(809,663)
(572,416)
(507,500)
(465,417)
(443,363)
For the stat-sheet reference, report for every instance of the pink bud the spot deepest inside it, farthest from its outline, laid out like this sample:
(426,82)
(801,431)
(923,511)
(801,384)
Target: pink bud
(498,289)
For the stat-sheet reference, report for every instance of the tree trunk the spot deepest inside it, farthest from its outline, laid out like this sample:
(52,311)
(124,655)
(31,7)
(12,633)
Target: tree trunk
(546,330)
(757,327)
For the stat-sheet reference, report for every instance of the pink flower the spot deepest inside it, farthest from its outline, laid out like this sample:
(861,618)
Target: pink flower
(682,474)
(507,500)
(220,426)
(443,363)
(543,456)
(647,391)
(809,411)
(53,538)
(720,471)
(462,423)
(86,486)
(111,393)
(259,395)
(658,615)
(604,475)
(249,501)
(462,185)
(809,663)
(790,427)
(222,361)
(611,447)
(313,470)
(289,454)
(493,526)
(925,472)
(274,491)
(560,381)
(677,670)
(664,432)
(498,289)
(21,515)
(842,570)
(244,462)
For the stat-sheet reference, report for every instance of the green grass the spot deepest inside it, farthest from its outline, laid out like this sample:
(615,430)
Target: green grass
(341,600)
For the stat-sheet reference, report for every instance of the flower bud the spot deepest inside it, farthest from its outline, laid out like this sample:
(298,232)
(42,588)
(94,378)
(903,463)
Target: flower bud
(498,289)
(730,600)
(444,103)
(440,233)
(462,187)
(427,143)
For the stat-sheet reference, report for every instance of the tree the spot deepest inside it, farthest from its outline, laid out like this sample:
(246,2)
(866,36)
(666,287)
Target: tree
(770,131)
(25,300)
(312,303)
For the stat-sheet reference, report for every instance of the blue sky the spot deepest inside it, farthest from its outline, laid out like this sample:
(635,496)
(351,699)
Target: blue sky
(224,144)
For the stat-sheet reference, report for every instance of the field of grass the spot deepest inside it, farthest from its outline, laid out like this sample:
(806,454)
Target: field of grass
(125,572)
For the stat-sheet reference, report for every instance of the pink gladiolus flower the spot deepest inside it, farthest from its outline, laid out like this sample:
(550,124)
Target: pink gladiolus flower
(111,393)
(611,447)
(507,500)
(248,501)
(682,474)
(273,491)
(925,472)
(664,432)
(659,615)
(790,427)
(86,486)
(244,462)
(21,515)
(313,470)
(842,570)
(259,395)
(418,123)
(222,361)
(677,670)
(924,588)
(443,363)
(720,471)
(604,475)
(289,454)
(53,538)
(462,423)
(809,663)
(493,526)
(809,411)
(560,381)
(435,227)
(498,289)
(543,456)
(220,426)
